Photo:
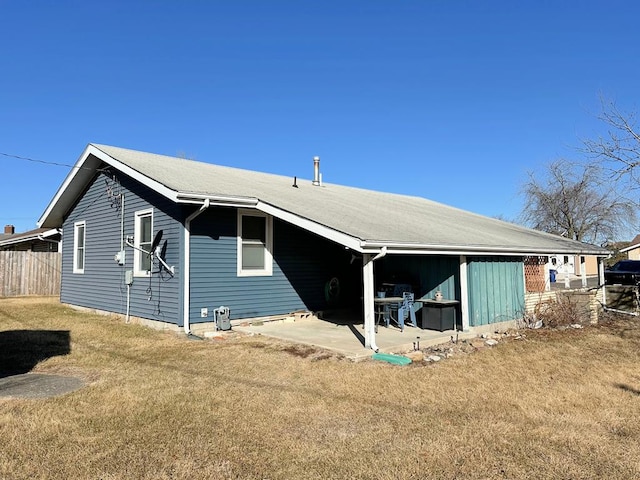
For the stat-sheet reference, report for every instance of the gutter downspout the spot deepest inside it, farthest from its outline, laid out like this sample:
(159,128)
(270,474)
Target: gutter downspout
(369,309)
(187,266)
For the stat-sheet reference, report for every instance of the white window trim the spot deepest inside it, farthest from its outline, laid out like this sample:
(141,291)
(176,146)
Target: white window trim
(76,226)
(136,239)
(268,255)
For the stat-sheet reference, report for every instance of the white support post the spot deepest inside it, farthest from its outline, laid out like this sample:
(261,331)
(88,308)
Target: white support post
(601,280)
(583,271)
(547,275)
(369,312)
(464,294)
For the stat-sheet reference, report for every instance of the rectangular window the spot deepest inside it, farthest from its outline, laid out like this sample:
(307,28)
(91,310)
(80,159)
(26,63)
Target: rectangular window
(143,237)
(78,247)
(255,237)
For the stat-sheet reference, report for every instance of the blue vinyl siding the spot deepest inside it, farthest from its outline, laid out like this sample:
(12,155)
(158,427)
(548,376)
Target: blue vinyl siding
(102,284)
(302,264)
(496,289)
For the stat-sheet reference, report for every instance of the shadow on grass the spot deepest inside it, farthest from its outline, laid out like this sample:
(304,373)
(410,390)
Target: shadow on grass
(627,388)
(21,350)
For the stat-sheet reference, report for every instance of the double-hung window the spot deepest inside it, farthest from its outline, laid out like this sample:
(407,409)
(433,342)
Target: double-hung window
(143,236)
(255,238)
(79,229)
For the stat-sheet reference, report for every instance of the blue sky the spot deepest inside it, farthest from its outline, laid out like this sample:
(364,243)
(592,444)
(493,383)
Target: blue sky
(450,100)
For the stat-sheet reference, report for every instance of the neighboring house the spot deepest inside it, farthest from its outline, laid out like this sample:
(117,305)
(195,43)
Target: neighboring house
(563,264)
(587,264)
(633,250)
(38,240)
(574,264)
(267,245)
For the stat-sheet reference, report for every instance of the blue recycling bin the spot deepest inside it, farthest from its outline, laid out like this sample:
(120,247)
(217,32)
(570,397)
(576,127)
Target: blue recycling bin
(552,275)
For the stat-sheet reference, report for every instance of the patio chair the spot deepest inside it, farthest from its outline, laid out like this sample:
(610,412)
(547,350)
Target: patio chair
(403,311)
(406,311)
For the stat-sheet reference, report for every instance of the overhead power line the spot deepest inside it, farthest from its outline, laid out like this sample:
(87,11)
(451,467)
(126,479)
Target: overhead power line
(44,162)
(35,160)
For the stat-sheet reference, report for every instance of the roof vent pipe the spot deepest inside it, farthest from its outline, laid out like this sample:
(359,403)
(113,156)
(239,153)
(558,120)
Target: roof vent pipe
(316,170)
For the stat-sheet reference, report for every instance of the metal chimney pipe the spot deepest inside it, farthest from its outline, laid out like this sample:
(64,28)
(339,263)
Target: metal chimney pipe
(316,170)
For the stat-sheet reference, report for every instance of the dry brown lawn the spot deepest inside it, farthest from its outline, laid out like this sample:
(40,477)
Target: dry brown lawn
(557,405)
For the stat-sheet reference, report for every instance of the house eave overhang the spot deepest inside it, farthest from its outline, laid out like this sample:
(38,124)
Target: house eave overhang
(374,246)
(348,241)
(81,174)
(187,198)
(92,158)
(344,239)
(89,163)
(629,248)
(72,186)
(44,236)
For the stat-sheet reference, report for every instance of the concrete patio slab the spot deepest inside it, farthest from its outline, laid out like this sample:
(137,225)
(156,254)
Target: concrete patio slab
(347,337)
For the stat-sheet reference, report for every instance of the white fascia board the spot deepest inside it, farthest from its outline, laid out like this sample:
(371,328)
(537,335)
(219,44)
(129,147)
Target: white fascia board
(13,241)
(80,175)
(218,200)
(391,250)
(29,238)
(630,247)
(78,170)
(143,179)
(20,238)
(311,226)
(304,223)
(415,249)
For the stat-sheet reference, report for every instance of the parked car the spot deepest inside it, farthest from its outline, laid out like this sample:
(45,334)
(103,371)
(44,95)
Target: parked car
(624,272)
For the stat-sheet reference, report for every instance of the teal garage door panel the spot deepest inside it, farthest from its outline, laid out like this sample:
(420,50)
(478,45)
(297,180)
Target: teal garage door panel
(496,289)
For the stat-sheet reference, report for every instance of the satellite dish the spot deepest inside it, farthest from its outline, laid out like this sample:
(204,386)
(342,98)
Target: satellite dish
(156,241)
(163,250)
(161,259)
(153,251)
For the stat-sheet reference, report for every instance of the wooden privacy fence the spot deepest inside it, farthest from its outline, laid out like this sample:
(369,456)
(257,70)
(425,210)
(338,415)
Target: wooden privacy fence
(30,273)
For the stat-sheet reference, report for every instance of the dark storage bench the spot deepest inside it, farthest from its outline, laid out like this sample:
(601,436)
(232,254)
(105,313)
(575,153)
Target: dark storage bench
(439,314)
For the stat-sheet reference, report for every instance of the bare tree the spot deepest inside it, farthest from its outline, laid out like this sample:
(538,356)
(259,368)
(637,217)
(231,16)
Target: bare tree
(572,200)
(619,149)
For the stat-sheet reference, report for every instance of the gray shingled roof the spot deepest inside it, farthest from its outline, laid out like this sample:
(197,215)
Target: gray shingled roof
(371,216)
